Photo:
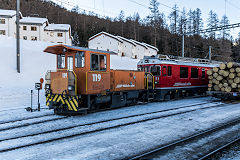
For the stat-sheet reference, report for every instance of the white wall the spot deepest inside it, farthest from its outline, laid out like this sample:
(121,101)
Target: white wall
(127,49)
(39,33)
(9,26)
(103,42)
(52,36)
(140,51)
(150,52)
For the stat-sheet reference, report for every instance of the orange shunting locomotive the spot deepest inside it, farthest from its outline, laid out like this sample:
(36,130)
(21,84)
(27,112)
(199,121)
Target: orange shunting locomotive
(84,82)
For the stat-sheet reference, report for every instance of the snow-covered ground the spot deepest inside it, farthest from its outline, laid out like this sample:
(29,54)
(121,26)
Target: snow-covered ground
(115,143)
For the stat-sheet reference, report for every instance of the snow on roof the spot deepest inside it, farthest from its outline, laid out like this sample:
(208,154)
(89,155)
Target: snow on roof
(107,34)
(150,46)
(139,43)
(34,20)
(127,40)
(4,12)
(61,27)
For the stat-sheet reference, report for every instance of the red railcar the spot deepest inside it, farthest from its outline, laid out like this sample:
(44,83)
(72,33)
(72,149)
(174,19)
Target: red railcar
(177,77)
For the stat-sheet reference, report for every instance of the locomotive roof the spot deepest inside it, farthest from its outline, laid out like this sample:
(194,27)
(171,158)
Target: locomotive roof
(58,49)
(153,60)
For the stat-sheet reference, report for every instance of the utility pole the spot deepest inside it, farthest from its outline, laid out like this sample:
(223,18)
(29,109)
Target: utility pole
(18,36)
(210,53)
(183,45)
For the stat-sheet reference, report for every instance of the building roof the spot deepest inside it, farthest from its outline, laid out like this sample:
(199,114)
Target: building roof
(107,34)
(9,13)
(33,20)
(57,49)
(150,46)
(139,43)
(127,40)
(58,27)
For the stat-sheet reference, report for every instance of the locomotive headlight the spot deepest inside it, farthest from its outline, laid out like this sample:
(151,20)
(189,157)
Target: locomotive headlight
(47,86)
(70,88)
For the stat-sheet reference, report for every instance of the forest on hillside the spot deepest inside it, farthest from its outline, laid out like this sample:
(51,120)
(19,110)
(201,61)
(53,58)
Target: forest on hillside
(153,29)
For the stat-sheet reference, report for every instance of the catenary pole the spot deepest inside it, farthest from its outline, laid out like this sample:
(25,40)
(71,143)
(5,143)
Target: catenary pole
(183,45)
(18,36)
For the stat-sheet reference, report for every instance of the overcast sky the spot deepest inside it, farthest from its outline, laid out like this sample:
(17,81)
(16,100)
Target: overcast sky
(112,8)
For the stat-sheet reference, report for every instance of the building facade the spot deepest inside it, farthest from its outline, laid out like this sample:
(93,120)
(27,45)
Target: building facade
(58,33)
(7,23)
(107,42)
(34,28)
(122,46)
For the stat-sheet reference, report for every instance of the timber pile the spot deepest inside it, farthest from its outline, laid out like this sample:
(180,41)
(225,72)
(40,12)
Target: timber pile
(225,78)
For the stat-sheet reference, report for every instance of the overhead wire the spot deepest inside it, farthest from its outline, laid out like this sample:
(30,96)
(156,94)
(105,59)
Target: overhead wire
(72,4)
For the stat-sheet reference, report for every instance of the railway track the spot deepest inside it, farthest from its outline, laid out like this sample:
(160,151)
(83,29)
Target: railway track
(27,118)
(207,156)
(103,128)
(157,152)
(59,118)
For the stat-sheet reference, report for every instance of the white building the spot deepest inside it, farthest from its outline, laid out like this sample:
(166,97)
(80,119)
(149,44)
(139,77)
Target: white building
(140,50)
(128,47)
(120,45)
(58,33)
(107,42)
(151,50)
(7,22)
(34,28)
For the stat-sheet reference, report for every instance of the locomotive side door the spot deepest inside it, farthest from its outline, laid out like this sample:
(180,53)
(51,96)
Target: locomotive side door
(164,76)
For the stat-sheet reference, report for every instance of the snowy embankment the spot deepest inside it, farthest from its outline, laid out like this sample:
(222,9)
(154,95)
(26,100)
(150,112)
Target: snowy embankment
(15,88)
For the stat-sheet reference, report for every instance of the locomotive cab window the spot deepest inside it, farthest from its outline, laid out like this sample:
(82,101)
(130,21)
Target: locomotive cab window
(146,68)
(98,62)
(169,70)
(194,73)
(140,68)
(203,73)
(155,70)
(183,72)
(61,61)
(79,59)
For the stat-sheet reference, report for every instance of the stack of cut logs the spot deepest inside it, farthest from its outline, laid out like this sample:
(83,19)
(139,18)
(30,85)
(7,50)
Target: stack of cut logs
(225,78)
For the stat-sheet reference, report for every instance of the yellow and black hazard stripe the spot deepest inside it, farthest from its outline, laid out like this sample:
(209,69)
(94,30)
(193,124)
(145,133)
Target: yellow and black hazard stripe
(71,101)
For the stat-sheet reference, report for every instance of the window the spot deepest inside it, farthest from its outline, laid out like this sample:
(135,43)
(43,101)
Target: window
(2,21)
(59,34)
(79,59)
(169,70)
(194,73)
(70,63)
(33,38)
(140,68)
(2,32)
(24,28)
(33,28)
(51,34)
(25,37)
(183,72)
(203,73)
(98,62)
(61,61)
(164,71)
(146,68)
(155,70)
